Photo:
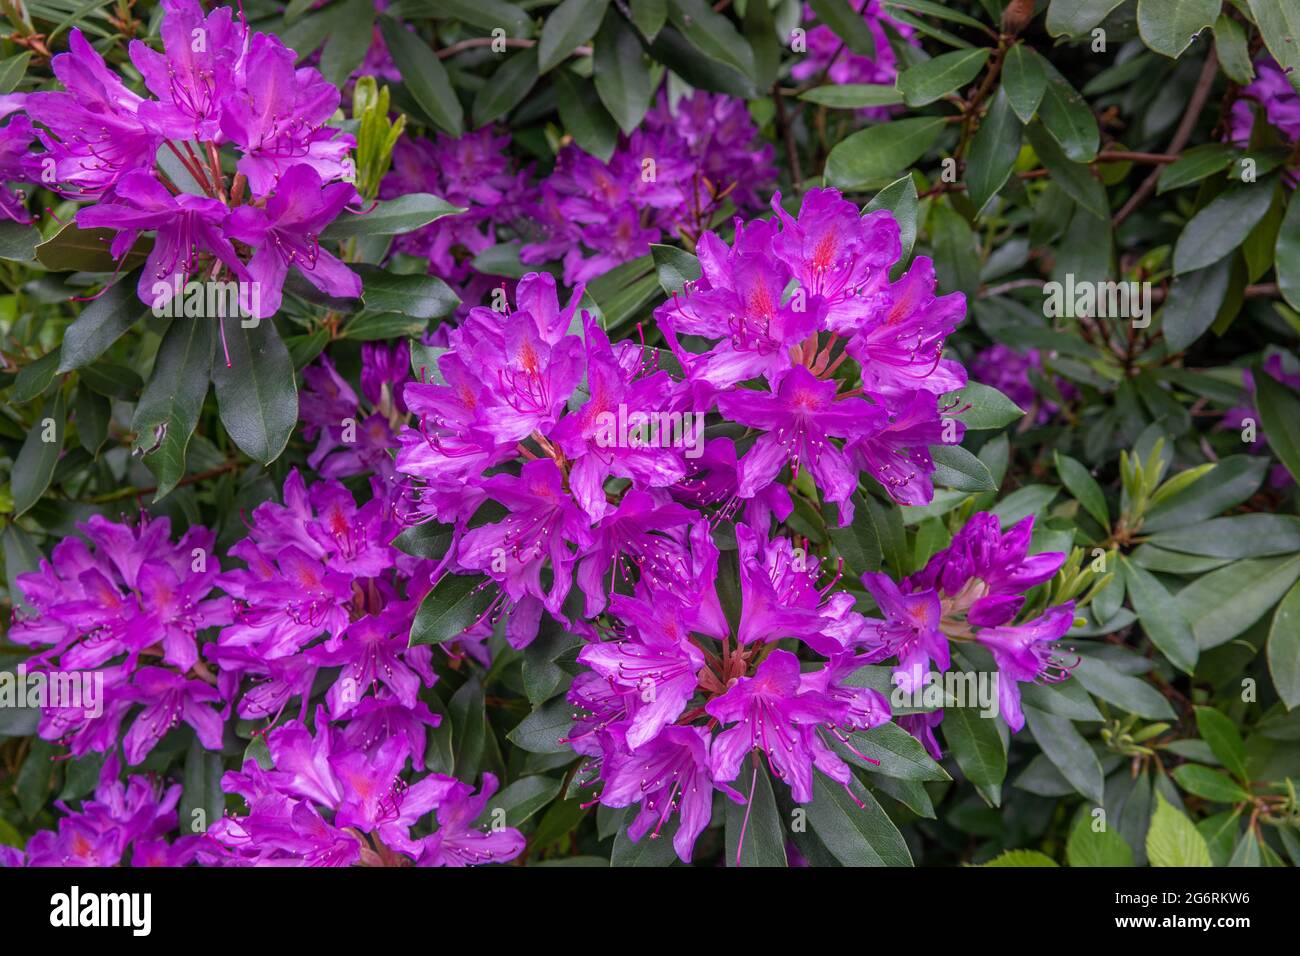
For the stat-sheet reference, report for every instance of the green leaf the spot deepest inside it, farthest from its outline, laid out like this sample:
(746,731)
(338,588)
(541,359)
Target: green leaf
(712,34)
(848,24)
(621,77)
(584,116)
(981,407)
(1284,649)
(935,78)
(649,16)
(955,467)
(418,296)
(1224,739)
(1084,487)
(1234,52)
(429,539)
(1286,255)
(521,800)
(257,394)
(18,242)
(1133,695)
(1076,17)
(1169,26)
(375,326)
(72,249)
(351,28)
(993,151)
(1279,25)
(1075,178)
(653,849)
(1220,227)
(1067,117)
(900,198)
(1024,80)
(469,717)
(170,406)
(568,26)
(1172,840)
(202,801)
(543,731)
(1279,417)
(1255,535)
(978,749)
(856,835)
(456,602)
(1161,618)
(507,88)
(12,71)
(1021,858)
(92,413)
(394,217)
(1194,165)
(674,267)
(878,152)
(35,377)
(488,14)
(1066,748)
(1089,847)
(1214,785)
(754,836)
(1222,604)
(101,323)
(34,466)
(900,755)
(760,33)
(853,96)
(1193,303)
(424,76)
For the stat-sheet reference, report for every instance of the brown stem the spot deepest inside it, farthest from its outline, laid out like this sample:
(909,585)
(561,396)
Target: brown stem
(1181,135)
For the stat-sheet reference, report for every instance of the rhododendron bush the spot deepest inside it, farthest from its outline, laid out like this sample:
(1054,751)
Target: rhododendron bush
(650,432)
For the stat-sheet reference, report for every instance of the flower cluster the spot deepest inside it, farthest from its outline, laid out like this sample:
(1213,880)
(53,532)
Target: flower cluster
(670,177)
(972,590)
(215,84)
(323,592)
(556,456)
(827,55)
(129,604)
(473,171)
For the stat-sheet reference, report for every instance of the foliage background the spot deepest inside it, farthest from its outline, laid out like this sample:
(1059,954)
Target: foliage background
(1107,163)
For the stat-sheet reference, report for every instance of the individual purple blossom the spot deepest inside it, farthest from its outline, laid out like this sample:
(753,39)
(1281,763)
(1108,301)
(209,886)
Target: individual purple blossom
(16,138)
(193,73)
(740,301)
(91,129)
(655,663)
(799,419)
(187,227)
(544,527)
(782,715)
(1024,654)
(276,114)
(670,774)
(286,233)
(457,841)
(170,699)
